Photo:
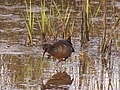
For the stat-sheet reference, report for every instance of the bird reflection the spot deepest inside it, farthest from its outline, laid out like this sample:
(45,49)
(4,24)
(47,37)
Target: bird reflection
(59,81)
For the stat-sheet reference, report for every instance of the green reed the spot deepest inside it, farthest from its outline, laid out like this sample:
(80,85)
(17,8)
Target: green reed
(48,24)
(85,29)
(62,4)
(67,15)
(43,16)
(64,21)
(104,41)
(72,28)
(87,10)
(95,13)
(58,12)
(29,21)
(87,19)
(51,22)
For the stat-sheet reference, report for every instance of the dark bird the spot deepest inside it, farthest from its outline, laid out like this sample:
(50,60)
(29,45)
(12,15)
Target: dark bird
(60,50)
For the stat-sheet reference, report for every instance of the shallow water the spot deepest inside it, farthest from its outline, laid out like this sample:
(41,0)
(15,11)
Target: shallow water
(22,68)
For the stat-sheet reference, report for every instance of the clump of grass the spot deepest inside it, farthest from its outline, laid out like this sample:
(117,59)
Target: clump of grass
(29,21)
(44,21)
(64,21)
(49,24)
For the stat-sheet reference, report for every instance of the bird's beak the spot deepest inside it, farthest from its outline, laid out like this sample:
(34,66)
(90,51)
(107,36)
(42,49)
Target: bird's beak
(43,54)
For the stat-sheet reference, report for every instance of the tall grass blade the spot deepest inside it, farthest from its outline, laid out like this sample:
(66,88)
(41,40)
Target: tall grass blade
(68,16)
(97,11)
(58,11)
(72,28)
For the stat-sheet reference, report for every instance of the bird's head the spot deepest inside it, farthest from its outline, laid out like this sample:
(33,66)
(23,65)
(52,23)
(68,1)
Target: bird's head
(46,48)
(69,40)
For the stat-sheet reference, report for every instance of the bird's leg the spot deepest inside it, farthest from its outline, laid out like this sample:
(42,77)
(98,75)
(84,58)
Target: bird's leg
(49,56)
(59,61)
(64,59)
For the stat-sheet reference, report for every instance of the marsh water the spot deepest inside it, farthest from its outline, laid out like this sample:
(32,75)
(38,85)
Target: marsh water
(21,65)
